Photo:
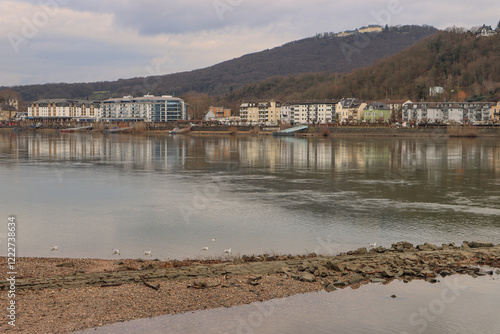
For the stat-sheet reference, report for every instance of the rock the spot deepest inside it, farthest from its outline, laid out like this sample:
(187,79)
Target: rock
(302,266)
(378,280)
(387,273)
(321,271)
(330,287)
(66,265)
(341,283)
(475,244)
(335,265)
(393,296)
(355,279)
(359,251)
(307,277)
(119,262)
(200,284)
(401,246)
(351,267)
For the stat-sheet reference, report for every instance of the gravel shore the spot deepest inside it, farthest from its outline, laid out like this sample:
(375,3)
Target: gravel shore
(65,295)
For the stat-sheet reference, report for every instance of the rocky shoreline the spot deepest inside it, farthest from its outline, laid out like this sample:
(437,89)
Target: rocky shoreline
(64,295)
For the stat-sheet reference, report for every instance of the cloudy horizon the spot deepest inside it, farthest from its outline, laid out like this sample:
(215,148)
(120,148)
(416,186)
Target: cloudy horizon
(49,41)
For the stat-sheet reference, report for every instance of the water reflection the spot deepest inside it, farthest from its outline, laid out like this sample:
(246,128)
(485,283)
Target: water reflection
(457,304)
(255,194)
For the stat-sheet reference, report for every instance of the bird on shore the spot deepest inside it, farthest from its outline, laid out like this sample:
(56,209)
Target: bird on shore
(204,248)
(227,251)
(213,239)
(373,245)
(116,251)
(54,248)
(147,253)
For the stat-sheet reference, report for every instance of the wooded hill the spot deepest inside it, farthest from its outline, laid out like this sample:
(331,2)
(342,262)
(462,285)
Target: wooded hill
(322,53)
(468,67)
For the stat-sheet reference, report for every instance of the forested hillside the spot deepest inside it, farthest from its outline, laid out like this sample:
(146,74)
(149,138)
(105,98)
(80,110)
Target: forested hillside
(468,67)
(322,53)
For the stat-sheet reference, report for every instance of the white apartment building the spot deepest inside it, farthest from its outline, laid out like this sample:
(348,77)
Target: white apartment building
(308,112)
(148,108)
(260,113)
(64,109)
(458,112)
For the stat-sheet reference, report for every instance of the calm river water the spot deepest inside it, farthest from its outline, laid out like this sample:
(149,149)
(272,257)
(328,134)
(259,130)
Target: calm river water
(89,193)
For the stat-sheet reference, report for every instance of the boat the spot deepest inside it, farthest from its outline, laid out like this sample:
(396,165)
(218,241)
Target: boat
(69,130)
(117,129)
(290,132)
(179,131)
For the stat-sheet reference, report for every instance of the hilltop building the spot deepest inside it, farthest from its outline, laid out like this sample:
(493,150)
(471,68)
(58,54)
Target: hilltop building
(486,31)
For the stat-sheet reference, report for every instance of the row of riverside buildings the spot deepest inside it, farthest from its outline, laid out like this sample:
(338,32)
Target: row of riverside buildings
(148,108)
(165,108)
(355,110)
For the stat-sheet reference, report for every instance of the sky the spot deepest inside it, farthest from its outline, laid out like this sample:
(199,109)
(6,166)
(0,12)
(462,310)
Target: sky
(48,41)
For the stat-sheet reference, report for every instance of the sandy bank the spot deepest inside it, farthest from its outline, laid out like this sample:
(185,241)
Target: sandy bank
(64,295)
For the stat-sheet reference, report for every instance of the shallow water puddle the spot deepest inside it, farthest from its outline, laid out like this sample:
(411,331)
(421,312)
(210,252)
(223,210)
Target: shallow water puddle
(457,304)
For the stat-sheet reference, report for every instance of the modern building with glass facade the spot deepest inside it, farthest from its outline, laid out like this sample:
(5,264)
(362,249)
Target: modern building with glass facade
(148,108)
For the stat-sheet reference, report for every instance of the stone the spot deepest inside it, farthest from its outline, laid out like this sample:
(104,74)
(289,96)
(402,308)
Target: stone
(378,280)
(475,244)
(321,271)
(330,287)
(355,279)
(66,265)
(359,251)
(200,284)
(387,273)
(335,265)
(119,262)
(307,277)
(341,283)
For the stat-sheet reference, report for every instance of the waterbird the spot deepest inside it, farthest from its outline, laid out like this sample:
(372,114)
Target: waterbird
(147,252)
(204,248)
(213,239)
(227,250)
(116,251)
(54,248)
(373,245)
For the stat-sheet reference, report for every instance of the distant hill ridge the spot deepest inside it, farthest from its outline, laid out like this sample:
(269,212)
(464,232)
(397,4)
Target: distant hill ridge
(327,52)
(464,65)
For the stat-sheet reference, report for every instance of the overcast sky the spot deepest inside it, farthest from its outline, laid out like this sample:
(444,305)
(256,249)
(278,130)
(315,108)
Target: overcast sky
(98,40)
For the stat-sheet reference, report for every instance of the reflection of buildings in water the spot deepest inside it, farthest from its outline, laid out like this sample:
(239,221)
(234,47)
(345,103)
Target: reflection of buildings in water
(161,153)
(127,151)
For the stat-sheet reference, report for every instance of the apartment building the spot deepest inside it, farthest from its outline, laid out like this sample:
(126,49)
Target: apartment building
(309,112)
(64,109)
(260,113)
(448,112)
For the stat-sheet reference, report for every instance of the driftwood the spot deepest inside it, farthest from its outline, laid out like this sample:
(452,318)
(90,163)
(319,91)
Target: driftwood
(149,285)
(110,285)
(202,286)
